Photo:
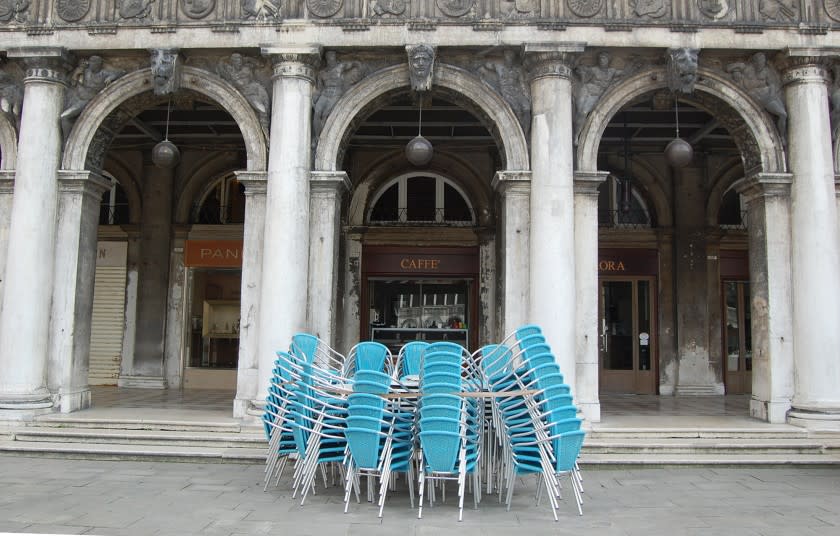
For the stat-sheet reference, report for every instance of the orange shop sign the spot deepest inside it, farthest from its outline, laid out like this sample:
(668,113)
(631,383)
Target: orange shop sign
(213,253)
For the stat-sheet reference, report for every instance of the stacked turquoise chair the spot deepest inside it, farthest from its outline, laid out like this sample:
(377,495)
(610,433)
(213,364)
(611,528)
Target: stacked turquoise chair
(379,438)
(408,360)
(277,421)
(447,423)
(368,355)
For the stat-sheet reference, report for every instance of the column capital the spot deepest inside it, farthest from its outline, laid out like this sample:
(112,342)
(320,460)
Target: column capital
(588,182)
(82,183)
(505,181)
(254,181)
(764,185)
(550,60)
(43,64)
(837,185)
(7,181)
(803,66)
(294,62)
(329,181)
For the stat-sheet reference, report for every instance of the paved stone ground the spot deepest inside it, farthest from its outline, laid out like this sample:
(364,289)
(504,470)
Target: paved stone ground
(60,496)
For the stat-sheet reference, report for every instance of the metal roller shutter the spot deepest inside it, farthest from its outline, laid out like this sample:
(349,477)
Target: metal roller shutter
(108,314)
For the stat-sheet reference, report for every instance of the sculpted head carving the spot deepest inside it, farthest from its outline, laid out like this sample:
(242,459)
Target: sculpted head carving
(165,71)
(682,69)
(421,61)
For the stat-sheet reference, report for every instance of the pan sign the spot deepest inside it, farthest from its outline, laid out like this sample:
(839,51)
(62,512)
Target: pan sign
(213,253)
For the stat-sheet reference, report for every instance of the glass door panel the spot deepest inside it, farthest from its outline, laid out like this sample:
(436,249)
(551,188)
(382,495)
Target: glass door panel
(737,337)
(618,323)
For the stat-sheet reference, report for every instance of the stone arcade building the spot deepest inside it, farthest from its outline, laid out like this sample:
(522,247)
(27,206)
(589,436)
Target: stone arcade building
(289,201)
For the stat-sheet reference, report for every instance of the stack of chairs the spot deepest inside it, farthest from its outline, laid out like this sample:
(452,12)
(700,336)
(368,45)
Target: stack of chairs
(368,355)
(379,437)
(409,358)
(448,424)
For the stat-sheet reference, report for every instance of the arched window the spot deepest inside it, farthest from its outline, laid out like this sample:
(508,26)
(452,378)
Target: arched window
(620,205)
(732,212)
(421,200)
(113,209)
(223,202)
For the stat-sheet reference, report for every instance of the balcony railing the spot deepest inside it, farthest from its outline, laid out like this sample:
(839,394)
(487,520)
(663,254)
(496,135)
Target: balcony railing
(625,219)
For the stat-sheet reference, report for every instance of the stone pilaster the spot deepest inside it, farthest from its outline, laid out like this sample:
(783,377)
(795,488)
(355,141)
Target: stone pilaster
(7,188)
(767,197)
(27,296)
(815,251)
(586,291)
(80,194)
(286,247)
(514,188)
(247,378)
(552,234)
(327,189)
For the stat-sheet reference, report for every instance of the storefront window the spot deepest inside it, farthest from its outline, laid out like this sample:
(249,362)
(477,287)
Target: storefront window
(423,200)
(214,319)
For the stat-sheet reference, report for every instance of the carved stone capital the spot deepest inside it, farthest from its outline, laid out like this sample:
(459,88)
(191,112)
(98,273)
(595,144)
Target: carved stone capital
(83,183)
(764,185)
(512,182)
(333,182)
(43,64)
(551,61)
(255,182)
(588,182)
(294,62)
(805,70)
(7,182)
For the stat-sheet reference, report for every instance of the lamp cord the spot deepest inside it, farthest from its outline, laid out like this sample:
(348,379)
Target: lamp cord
(677,114)
(168,109)
(420,119)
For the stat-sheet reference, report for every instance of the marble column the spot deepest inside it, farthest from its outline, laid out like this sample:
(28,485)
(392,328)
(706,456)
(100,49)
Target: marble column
(247,374)
(815,251)
(7,188)
(586,291)
(327,188)
(27,295)
(514,189)
(80,194)
(145,367)
(552,237)
(767,197)
(176,329)
(286,247)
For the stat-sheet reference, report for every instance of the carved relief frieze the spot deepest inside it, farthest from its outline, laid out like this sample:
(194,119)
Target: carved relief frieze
(520,9)
(714,9)
(779,10)
(388,8)
(832,7)
(334,78)
(197,9)
(249,76)
(261,10)
(509,78)
(834,97)
(761,81)
(585,8)
(11,92)
(14,10)
(135,9)
(455,8)
(324,8)
(682,69)
(86,81)
(653,9)
(72,10)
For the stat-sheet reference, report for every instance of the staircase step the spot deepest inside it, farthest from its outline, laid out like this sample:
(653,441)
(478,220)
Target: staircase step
(658,459)
(128,423)
(140,437)
(134,452)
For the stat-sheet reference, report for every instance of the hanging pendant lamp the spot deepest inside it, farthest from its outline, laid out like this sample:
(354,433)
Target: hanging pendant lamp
(678,152)
(166,154)
(419,150)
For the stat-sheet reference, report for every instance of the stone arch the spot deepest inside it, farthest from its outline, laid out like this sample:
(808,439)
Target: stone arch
(453,81)
(120,169)
(646,176)
(204,174)
(754,131)
(8,143)
(137,82)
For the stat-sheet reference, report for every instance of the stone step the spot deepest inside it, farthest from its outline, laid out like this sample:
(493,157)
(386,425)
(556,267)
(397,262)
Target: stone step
(788,432)
(588,459)
(707,446)
(102,451)
(128,423)
(139,437)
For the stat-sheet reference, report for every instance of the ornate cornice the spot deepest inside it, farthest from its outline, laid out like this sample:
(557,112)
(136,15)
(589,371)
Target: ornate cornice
(255,182)
(294,62)
(329,181)
(84,183)
(587,182)
(506,181)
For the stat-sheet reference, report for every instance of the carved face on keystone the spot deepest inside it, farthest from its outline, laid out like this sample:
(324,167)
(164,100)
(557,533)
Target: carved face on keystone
(163,71)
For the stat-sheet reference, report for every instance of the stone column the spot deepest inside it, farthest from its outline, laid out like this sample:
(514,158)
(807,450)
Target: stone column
(286,246)
(27,295)
(7,188)
(146,368)
(815,251)
(767,196)
(247,375)
(176,329)
(514,189)
(586,291)
(327,187)
(552,240)
(72,302)
(351,311)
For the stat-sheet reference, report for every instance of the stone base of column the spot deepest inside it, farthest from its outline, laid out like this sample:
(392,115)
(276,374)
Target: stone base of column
(769,411)
(25,406)
(250,412)
(142,382)
(73,401)
(823,416)
(591,411)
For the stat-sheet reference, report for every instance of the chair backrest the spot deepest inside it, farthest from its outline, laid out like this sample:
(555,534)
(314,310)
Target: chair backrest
(304,346)
(567,448)
(364,440)
(494,359)
(370,355)
(527,329)
(446,346)
(410,356)
(440,450)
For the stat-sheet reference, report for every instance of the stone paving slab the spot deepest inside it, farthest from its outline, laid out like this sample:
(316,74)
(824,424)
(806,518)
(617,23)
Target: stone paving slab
(112,498)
